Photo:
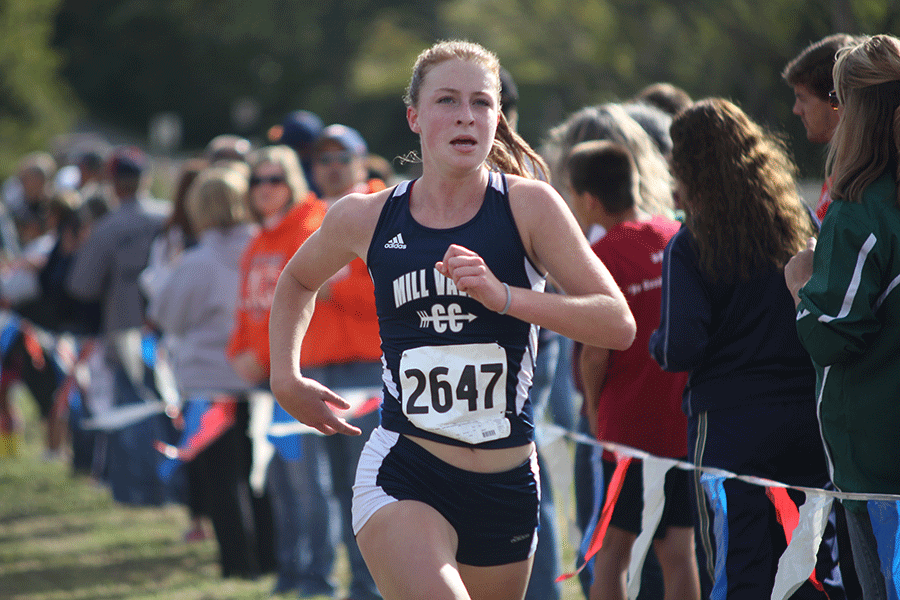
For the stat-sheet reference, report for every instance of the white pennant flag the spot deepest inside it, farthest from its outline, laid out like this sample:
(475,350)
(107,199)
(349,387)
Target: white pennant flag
(655,470)
(799,559)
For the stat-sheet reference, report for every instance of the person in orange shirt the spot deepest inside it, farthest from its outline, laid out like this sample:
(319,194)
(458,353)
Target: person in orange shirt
(348,345)
(287,212)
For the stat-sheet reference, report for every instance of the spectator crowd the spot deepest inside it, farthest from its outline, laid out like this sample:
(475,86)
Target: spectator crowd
(140,328)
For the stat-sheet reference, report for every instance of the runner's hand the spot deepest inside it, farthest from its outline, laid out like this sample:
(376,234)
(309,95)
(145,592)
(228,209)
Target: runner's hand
(310,402)
(471,275)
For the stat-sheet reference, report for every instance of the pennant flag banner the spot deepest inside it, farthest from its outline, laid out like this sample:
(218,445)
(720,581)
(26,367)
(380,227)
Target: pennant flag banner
(204,422)
(615,488)
(362,400)
(10,331)
(68,389)
(32,345)
(803,527)
(261,407)
(119,417)
(284,433)
(714,486)
(599,490)
(557,461)
(273,429)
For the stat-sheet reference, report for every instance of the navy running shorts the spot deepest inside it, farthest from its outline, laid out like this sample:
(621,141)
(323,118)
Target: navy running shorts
(495,515)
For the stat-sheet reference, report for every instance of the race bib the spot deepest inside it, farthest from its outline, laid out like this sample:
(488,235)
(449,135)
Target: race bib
(456,391)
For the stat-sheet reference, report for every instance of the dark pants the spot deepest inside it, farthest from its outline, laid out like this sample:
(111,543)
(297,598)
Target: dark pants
(221,486)
(776,441)
(132,462)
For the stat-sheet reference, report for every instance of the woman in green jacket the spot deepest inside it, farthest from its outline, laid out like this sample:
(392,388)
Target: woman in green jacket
(848,301)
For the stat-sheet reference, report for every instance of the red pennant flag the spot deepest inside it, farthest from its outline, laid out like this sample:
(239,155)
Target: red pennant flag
(612,495)
(785,510)
(215,420)
(33,345)
(370,405)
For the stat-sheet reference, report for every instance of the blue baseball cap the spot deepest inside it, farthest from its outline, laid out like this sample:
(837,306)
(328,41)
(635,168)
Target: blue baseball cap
(299,129)
(127,161)
(347,137)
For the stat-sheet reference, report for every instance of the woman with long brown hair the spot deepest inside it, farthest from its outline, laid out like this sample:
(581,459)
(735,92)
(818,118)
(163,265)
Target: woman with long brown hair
(728,319)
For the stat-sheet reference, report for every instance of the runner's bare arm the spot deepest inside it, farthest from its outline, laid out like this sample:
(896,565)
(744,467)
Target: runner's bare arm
(593,310)
(343,236)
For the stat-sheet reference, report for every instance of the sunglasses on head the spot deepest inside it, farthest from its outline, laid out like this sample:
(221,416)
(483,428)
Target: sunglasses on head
(833,99)
(326,158)
(271,180)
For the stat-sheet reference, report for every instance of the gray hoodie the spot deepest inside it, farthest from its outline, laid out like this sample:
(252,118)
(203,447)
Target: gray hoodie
(195,309)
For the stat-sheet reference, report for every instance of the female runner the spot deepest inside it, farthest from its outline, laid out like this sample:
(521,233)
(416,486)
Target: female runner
(446,494)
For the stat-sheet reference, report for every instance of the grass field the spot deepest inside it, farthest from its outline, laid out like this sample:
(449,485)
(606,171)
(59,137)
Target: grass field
(62,537)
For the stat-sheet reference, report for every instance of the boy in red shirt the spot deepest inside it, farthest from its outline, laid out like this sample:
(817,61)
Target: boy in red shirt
(629,399)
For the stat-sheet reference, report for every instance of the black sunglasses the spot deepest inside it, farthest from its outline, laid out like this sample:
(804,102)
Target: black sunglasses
(271,180)
(833,99)
(342,157)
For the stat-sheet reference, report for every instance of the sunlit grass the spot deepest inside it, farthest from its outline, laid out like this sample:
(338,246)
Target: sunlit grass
(62,537)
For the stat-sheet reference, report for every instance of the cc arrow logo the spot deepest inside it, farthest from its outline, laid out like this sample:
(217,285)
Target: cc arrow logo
(441,318)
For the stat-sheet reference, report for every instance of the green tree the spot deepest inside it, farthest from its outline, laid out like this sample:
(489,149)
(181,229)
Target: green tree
(566,55)
(34,105)
(349,60)
(128,59)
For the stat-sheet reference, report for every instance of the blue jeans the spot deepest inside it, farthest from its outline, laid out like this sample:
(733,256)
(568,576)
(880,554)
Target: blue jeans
(305,544)
(131,460)
(562,392)
(342,453)
(865,557)
(546,568)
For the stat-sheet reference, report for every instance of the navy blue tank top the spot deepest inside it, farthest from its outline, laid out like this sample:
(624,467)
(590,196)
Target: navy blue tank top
(454,371)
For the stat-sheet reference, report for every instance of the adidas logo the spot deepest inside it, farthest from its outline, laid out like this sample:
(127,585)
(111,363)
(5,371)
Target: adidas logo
(396,242)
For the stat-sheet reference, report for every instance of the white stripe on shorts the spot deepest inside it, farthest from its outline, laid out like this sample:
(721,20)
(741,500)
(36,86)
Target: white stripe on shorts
(367,496)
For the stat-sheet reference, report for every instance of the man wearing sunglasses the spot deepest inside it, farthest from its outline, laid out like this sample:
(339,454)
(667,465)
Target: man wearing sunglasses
(352,349)
(809,73)
(339,163)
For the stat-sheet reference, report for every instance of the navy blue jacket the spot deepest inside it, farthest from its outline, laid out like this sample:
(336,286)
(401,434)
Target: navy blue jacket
(737,338)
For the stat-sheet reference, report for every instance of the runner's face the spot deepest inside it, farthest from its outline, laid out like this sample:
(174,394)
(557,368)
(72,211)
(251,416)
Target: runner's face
(457,114)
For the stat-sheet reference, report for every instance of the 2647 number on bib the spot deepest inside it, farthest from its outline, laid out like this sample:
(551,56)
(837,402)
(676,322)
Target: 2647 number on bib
(456,391)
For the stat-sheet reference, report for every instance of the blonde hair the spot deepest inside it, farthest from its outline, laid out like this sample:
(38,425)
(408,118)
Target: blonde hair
(742,204)
(611,122)
(866,142)
(215,200)
(39,161)
(509,152)
(286,159)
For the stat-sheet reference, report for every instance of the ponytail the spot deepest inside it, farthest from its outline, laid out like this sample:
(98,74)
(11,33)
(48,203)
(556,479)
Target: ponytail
(512,154)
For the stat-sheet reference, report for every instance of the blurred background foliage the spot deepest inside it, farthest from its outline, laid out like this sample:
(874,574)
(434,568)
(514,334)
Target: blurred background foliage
(237,66)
